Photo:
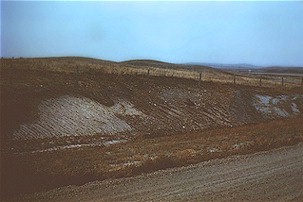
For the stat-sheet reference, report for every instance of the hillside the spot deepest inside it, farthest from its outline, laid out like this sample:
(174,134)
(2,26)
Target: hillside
(285,70)
(51,113)
(69,64)
(169,104)
(150,63)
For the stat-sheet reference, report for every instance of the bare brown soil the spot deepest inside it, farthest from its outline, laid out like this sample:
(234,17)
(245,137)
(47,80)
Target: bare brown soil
(268,176)
(170,122)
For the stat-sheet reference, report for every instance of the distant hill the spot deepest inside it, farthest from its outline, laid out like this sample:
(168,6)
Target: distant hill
(166,65)
(288,70)
(153,63)
(70,63)
(227,66)
(81,64)
(146,62)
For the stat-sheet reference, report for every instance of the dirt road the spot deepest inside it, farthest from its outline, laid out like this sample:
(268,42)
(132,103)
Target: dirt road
(272,175)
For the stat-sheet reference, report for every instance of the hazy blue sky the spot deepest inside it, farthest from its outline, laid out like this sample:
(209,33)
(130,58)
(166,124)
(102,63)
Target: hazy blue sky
(261,33)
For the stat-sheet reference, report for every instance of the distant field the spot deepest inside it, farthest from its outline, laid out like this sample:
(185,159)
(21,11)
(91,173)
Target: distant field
(270,77)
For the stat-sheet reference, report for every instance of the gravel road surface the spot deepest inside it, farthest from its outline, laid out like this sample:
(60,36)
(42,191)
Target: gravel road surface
(266,176)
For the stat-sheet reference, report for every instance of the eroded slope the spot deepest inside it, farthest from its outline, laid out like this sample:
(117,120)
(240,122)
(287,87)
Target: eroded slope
(108,107)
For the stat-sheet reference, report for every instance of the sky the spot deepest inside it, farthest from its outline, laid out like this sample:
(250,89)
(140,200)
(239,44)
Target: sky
(259,33)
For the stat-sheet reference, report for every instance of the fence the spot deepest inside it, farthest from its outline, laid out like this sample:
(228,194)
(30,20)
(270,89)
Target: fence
(213,75)
(202,74)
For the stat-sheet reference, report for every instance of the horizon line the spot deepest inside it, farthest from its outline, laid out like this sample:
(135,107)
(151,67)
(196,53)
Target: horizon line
(156,60)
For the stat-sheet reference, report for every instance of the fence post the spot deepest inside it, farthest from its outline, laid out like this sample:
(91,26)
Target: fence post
(234,79)
(260,83)
(77,76)
(148,72)
(282,81)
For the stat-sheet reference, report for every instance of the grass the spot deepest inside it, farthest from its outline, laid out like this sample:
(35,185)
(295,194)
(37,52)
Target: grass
(81,65)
